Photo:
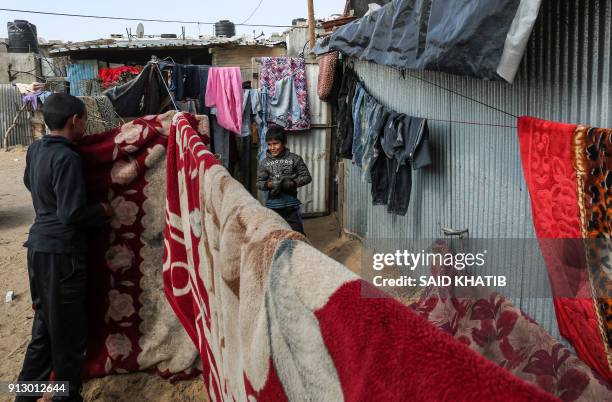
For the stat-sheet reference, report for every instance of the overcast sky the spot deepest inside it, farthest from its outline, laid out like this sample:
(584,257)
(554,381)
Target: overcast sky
(275,12)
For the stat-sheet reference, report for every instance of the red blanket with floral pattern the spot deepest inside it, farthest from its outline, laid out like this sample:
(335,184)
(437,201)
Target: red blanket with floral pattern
(131,325)
(276,320)
(491,325)
(546,153)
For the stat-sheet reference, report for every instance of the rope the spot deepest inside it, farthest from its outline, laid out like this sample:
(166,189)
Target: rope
(462,95)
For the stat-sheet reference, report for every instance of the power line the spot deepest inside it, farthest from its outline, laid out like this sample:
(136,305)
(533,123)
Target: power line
(144,19)
(253,13)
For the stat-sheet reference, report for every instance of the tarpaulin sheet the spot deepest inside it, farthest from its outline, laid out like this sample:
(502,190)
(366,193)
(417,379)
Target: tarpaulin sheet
(465,37)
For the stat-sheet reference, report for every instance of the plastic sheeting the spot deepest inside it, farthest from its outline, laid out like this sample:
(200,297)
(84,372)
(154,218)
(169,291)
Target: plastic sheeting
(464,37)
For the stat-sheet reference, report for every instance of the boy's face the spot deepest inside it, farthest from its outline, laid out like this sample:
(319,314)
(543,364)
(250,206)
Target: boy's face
(275,147)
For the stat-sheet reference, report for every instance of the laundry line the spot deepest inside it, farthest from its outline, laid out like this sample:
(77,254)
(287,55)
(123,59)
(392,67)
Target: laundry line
(144,19)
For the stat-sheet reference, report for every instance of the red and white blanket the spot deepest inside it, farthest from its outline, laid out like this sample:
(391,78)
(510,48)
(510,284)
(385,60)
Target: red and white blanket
(274,319)
(131,325)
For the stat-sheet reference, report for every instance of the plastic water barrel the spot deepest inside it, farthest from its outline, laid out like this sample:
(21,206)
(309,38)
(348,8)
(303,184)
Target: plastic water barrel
(225,28)
(22,37)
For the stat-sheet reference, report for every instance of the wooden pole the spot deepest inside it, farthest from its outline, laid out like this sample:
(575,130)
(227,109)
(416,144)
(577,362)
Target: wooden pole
(12,126)
(311,23)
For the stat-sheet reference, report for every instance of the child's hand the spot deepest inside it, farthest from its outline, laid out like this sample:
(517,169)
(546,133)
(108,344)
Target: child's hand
(288,184)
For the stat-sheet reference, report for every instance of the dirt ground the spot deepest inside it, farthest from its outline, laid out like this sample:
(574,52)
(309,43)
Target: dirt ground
(16,215)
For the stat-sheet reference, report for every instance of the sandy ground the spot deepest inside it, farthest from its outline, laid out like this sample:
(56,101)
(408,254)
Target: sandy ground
(16,215)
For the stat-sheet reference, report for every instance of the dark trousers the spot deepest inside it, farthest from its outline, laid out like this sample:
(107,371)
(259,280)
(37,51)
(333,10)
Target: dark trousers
(59,331)
(293,217)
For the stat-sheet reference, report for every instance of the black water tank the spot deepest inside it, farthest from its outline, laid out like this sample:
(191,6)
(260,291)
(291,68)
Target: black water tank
(299,21)
(22,37)
(225,28)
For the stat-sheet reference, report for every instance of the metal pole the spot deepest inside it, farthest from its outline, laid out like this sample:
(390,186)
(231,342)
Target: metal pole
(311,23)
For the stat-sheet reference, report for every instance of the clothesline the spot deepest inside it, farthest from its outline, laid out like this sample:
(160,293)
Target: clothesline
(403,72)
(475,123)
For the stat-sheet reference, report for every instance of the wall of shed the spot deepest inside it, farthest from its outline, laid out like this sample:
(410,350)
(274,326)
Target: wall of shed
(476,181)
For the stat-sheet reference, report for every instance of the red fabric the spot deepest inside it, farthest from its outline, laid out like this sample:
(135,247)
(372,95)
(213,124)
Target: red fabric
(546,155)
(116,165)
(491,325)
(384,351)
(186,155)
(112,76)
(99,153)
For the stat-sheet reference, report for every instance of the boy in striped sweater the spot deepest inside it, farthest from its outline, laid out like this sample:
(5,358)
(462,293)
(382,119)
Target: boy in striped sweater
(280,173)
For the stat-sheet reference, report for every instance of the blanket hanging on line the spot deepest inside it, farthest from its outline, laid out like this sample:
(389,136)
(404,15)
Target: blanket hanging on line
(274,319)
(547,155)
(132,325)
(491,325)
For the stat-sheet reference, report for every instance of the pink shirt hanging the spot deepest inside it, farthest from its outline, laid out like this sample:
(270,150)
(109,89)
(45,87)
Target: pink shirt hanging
(224,92)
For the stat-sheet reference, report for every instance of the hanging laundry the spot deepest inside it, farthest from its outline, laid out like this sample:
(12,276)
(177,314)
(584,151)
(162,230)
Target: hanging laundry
(100,114)
(31,98)
(189,106)
(203,77)
(403,146)
(25,89)
(118,75)
(273,70)
(239,279)
(143,95)
(344,118)
(375,117)
(132,327)
(592,154)
(248,113)
(283,106)
(224,92)
(186,81)
(326,82)
(358,123)
(259,103)
(221,141)
(546,154)
(493,327)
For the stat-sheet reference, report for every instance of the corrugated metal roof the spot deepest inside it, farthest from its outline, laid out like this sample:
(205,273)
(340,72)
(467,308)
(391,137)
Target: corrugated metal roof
(136,43)
(10,102)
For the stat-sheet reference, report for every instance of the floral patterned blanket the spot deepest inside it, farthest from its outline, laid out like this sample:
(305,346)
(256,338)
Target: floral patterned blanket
(569,186)
(491,325)
(132,327)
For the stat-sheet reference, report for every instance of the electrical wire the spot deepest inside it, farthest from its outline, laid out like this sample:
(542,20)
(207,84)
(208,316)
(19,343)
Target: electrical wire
(144,19)
(253,13)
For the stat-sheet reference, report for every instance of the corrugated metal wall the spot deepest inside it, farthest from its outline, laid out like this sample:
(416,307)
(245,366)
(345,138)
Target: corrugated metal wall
(314,145)
(476,181)
(81,71)
(10,102)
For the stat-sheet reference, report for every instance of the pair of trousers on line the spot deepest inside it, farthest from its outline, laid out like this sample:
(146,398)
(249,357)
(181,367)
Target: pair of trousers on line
(58,285)
(293,216)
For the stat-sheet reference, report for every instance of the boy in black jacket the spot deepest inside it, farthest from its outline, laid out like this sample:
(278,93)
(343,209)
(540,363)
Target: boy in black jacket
(56,248)
(280,173)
